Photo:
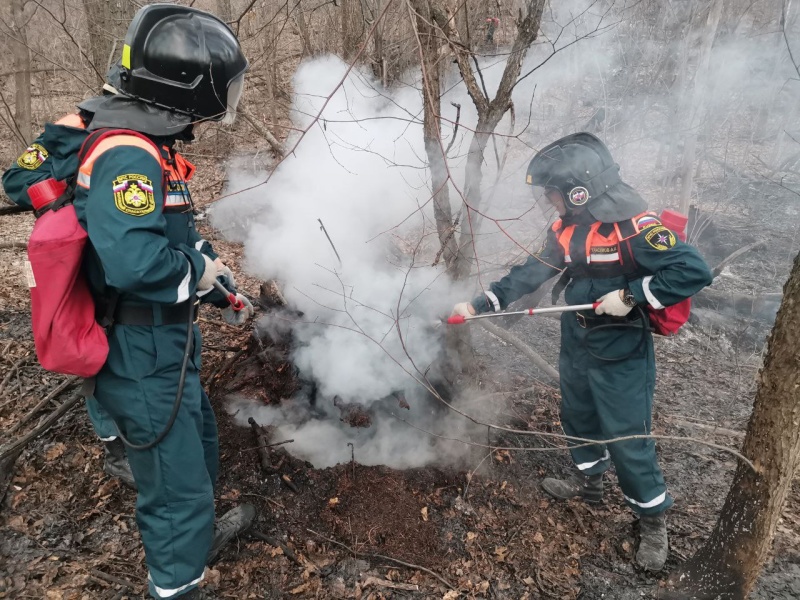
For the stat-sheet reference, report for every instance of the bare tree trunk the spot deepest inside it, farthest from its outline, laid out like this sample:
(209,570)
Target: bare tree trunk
(698,103)
(729,563)
(350,19)
(108,22)
(22,76)
(432,134)
(490,112)
(224,10)
(300,19)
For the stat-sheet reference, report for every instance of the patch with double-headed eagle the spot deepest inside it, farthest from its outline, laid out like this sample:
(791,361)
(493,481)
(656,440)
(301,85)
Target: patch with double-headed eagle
(33,157)
(133,195)
(660,238)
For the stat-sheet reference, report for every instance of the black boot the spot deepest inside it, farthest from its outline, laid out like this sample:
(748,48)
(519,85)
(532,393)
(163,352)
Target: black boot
(116,463)
(653,543)
(228,526)
(197,594)
(577,485)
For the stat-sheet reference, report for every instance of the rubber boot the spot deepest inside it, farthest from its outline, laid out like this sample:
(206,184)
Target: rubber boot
(228,526)
(116,463)
(577,485)
(197,594)
(653,543)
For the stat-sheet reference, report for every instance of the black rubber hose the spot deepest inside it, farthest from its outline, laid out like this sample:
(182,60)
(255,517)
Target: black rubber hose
(187,352)
(642,319)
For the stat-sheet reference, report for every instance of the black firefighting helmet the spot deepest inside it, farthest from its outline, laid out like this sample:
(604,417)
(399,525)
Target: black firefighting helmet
(184,60)
(582,169)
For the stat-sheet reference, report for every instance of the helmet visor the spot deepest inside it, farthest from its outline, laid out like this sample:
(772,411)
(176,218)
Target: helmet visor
(235,90)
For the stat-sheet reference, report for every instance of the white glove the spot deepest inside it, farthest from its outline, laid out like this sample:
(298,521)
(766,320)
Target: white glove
(463,309)
(224,271)
(206,281)
(238,318)
(612,304)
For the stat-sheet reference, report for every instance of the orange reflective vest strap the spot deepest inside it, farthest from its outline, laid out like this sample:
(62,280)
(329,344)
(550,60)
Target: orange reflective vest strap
(175,166)
(564,237)
(73,120)
(106,141)
(184,169)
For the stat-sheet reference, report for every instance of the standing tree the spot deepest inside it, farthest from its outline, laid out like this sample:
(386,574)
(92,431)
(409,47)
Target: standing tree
(727,566)
(22,74)
(108,21)
(698,102)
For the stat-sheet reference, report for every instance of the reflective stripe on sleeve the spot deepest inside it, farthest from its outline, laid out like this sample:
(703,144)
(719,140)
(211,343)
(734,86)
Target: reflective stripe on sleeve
(649,294)
(183,287)
(654,502)
(494,300)
(589,465)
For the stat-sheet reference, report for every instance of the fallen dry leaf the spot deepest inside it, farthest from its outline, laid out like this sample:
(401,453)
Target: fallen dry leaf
(300,589)
(424,512)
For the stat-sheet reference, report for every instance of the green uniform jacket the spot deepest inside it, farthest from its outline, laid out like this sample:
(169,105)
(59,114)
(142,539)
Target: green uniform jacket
(668,272)
(130,249)
(53,154)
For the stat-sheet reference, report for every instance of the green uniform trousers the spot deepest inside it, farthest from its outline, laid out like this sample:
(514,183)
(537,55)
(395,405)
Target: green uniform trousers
(609,399)
(175,503)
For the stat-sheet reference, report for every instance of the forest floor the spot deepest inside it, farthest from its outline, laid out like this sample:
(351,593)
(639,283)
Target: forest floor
(67,531)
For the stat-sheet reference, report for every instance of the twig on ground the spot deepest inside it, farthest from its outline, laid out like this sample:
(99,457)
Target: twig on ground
(288,552)
(409,587)
(534,357)
(61,387)
(14,368)
(734,255)
(382,557)
(13,245)
(262,445)
(224,366)
(48,422)
(111,578)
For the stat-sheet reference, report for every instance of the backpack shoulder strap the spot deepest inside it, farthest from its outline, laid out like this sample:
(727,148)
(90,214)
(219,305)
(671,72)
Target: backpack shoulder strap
(101,141)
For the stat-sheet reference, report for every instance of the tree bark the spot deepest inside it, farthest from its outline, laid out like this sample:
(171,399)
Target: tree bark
(729,563)
(108,22)
(300,19)
(22,77)
(698,103)
(431,128)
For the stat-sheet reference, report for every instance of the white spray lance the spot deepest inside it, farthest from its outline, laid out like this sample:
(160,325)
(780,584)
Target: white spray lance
(528,312)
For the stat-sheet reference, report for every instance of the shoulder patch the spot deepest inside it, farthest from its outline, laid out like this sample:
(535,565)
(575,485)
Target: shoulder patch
(646,222)
(33,157)
(660,238)
(133,195)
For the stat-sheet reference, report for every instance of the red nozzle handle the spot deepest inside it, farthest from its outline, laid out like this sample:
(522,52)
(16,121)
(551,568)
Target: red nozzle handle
(456,320)
(595,305)
(236,304)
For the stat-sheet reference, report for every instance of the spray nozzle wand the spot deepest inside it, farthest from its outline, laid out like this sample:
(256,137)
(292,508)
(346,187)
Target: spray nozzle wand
(529,312)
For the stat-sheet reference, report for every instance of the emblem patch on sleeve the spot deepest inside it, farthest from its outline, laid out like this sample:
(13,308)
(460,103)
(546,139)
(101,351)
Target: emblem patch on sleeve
(133,195)
(660,238)
(33,157)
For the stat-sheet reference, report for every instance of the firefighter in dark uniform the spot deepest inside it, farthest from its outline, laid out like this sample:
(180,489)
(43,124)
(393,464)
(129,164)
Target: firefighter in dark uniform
(56,149)
(179,66)
(610,250)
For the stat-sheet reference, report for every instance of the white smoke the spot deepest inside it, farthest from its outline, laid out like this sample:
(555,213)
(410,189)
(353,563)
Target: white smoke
(371,323)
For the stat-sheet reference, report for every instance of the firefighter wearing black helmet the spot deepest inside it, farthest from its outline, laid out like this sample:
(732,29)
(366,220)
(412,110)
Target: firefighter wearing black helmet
(147,264)
(610,250)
